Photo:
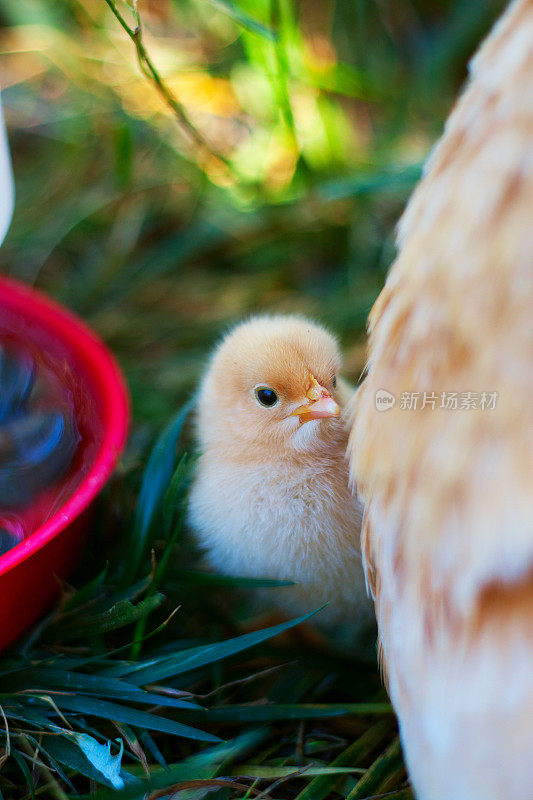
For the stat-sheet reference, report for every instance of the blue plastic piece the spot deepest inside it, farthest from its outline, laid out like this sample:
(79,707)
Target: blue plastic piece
(36,445)
(7,541)
(17,377)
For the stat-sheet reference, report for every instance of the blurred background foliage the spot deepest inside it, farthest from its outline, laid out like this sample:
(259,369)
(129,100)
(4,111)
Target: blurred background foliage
(258,161)
(317,114)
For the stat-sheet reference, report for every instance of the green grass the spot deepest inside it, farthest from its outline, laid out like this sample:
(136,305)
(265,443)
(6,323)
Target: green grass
(133,657)
(318,116)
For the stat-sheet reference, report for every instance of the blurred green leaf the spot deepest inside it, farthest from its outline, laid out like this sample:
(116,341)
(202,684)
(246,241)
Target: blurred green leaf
(241,18)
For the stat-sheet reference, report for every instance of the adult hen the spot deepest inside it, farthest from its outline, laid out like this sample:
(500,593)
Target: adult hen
(271,496)
(448,487)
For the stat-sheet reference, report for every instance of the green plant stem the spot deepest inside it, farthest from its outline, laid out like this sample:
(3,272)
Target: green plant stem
(140,628)
(53,786)
(149,70)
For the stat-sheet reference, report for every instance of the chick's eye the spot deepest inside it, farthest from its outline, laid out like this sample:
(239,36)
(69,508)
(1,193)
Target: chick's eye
(334,382)
(265,396)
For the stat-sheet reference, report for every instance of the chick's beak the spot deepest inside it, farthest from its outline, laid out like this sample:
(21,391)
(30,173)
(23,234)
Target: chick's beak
(321,404)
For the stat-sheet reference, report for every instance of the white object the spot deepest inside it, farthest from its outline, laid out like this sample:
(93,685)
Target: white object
(7,191)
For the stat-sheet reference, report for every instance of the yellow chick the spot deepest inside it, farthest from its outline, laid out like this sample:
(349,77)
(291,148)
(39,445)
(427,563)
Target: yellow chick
(271,497)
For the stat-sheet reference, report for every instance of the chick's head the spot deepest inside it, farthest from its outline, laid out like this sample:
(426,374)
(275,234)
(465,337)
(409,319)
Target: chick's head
(271,382)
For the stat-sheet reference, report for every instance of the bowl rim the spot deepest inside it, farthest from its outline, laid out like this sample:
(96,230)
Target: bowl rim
(87,346)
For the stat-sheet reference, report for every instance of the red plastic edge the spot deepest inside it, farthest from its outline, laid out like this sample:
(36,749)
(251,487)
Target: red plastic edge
(90,350)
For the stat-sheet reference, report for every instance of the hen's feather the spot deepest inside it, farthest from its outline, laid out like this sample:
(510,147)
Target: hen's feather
(448,530)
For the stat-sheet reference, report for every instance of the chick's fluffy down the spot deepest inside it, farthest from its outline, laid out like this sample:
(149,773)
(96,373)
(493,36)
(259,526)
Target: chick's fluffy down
(271,497)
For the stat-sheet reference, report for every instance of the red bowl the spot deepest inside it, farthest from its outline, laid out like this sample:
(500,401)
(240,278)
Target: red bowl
(29,572)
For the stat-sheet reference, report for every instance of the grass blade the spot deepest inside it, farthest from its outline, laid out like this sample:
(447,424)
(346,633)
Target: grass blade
(132,716)
(320,787)
(168,666)
(213,579)
(379,773)
(156,479)
(270,713)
